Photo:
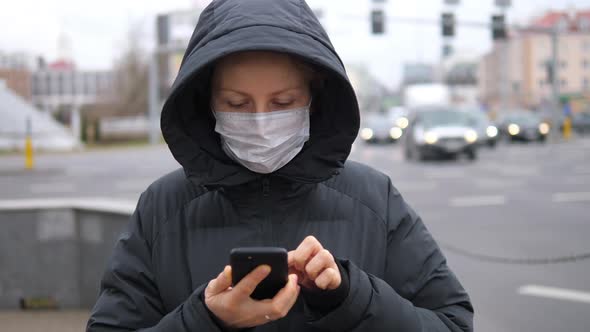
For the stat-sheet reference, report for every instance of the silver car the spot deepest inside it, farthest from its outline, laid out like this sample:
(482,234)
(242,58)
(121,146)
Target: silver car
(440,132)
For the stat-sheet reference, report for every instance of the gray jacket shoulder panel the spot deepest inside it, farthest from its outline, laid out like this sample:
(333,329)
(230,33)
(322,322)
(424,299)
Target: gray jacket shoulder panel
(364,184)
(162,199)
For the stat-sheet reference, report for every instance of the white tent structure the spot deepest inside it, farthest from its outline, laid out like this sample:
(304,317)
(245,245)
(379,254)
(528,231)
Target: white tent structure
(47,133)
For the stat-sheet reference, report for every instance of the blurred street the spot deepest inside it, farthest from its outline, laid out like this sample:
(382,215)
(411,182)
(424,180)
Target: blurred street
(512,223)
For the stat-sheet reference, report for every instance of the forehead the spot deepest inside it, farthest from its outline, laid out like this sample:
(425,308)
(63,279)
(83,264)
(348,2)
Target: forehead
(261,67)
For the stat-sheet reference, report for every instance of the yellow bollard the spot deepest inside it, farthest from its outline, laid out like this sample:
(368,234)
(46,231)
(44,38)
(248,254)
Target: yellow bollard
(29,161)
(567,128)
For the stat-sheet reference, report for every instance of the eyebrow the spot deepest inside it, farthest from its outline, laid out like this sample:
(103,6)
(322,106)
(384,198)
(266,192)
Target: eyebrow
(272,93)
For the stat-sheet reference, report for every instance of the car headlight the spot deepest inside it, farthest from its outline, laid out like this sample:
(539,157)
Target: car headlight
(367,134)
(395,133)
(544,128)
(470,136)
(513,129)
(402,122)
(492,131)
(430,137)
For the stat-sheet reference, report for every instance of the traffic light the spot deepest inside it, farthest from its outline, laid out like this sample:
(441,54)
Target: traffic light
(448,24)
(378,22)
(498,27)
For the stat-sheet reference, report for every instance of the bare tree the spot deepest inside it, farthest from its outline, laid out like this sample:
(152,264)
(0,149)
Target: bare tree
(131,78)
(129,93)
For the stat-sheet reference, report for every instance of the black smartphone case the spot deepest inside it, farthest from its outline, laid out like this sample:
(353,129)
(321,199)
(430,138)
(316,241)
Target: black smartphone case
(244,260)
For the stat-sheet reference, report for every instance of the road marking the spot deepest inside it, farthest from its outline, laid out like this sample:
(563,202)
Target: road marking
(571,197)
(471,201)
(555,293)
(52,188)
(495,183)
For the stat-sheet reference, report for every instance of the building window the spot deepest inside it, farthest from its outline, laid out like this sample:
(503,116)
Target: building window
(586,83)
(74,84)
(515,86)
(585,63)
(563,83)
(79,84)
(61,83)
(543,64)
(53,83)
(86,85)
(563,64)
(541,83)
(89,84)
(96,84)
(69,83)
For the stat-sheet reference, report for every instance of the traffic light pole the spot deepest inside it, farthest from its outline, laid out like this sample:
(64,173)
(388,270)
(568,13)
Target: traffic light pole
(154,100)
(505,68)
(154,97)
(555,83)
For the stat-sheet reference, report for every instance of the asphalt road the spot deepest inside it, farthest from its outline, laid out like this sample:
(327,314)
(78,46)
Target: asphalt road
(514,225)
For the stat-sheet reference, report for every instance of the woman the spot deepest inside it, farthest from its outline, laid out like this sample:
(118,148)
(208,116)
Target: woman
(262,118)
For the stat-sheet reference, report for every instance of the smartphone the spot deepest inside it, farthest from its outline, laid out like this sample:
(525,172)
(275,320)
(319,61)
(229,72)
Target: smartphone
(244,260)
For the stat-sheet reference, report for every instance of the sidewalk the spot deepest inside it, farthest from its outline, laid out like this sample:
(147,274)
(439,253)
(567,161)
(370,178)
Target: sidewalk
(44,321)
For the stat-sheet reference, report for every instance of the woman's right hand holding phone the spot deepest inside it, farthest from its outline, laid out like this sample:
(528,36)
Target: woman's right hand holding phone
(234,307)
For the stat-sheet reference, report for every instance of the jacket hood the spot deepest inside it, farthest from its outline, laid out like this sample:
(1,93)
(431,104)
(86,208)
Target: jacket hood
(229,26)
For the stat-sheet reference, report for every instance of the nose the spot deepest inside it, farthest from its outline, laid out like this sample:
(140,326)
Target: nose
(261,107)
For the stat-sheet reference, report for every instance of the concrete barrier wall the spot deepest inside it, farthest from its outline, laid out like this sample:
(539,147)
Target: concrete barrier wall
(57,250)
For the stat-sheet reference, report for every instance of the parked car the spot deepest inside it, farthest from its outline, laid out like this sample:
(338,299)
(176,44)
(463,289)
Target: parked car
(440,131)
(581,122)
(523,126)
(379,128)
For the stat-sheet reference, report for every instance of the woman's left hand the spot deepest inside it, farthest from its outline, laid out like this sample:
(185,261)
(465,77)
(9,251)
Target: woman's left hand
(314,265)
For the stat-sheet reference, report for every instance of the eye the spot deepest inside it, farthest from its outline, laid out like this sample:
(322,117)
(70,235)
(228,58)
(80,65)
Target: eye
(237,104)
(283,103)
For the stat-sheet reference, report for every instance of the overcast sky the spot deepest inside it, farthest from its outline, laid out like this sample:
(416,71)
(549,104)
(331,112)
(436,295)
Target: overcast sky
(97,30)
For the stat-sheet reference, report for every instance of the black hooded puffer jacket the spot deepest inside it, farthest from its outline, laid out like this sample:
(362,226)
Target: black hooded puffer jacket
(186,222)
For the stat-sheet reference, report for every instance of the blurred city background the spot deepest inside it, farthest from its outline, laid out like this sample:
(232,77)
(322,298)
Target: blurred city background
(479,111)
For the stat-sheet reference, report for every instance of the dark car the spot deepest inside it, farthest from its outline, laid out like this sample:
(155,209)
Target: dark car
(486,131)
(440,132)
(523,126)
(379,128)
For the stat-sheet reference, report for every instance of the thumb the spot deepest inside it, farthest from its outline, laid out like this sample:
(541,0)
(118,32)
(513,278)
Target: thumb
(219,284)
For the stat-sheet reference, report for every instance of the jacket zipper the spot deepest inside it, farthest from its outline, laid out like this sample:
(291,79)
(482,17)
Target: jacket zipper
(266,207)
(265,187)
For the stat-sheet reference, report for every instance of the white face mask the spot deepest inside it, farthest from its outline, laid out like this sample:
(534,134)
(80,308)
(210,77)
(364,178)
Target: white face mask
(263,142)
